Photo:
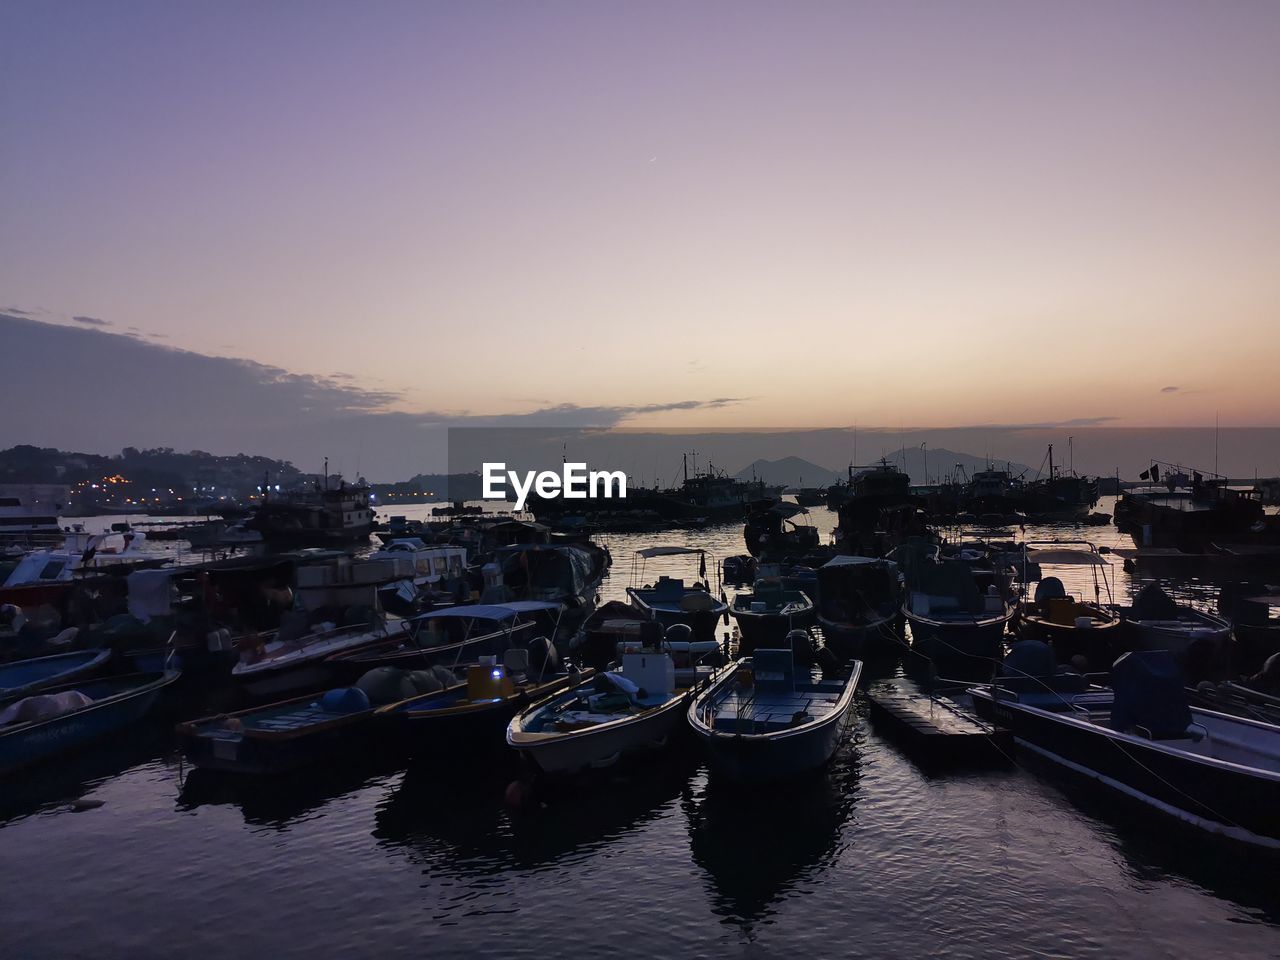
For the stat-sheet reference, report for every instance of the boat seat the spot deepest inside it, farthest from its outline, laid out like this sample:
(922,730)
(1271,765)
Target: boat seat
(64,638)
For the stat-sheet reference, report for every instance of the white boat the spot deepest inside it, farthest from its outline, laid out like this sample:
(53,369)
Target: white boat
(288,666)
(608,716)
(767,719)
(29,512)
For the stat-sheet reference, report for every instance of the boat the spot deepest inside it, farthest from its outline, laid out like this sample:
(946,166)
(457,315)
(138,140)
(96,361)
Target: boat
(601,719)
(764,718)
(330,512)
(29,512)
(23,677)
(1217,772)
(670,601)
(278,667)
(58,720)
(771,532)
(475,714)
(768,613)
(1071,626)
(957,606)
(1186,512)
(307,730)
(1251,609)
(1200,641)
(450,636)
(860,605)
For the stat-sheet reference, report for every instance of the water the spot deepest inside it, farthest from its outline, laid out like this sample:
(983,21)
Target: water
(872,857)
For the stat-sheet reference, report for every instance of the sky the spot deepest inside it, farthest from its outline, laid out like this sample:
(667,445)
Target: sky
(812,214)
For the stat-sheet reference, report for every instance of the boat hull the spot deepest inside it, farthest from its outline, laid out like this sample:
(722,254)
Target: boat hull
(882,637)
(604,744)
(28,744)
(778,755)
(24,677)
(971,643)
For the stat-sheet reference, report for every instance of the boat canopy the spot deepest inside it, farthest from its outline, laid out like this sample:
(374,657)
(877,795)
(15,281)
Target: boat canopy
(1066,557)
(650,552)
(845,560)
(489,611)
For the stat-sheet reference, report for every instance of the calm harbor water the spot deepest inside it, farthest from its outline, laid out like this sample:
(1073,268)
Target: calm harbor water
(128,852)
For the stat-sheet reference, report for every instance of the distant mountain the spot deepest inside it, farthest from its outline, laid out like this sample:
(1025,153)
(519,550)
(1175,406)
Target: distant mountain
(942,463)
(791,471)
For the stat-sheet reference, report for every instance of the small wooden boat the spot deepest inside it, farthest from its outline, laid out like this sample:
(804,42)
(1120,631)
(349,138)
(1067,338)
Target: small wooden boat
(763,719)
(1072,627)
(291,734)
(476,713)
(1217,772)
(767,614)
(1201,642)
(288,666)
(599,720)
(670,601)
(58,720)
(23,677)
(952,619)
(860,605)
(447,636)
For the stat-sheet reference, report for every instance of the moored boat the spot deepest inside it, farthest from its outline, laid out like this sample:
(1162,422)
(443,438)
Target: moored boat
(476,713)
(958,609)
(612,714)
(860,605)
(1199,641)
(449,636)
(22,677)
(280,667)
(1071,626)
(764,718)
(61,719)
(285,736)
(768,613)
(670,601)
(1217,772)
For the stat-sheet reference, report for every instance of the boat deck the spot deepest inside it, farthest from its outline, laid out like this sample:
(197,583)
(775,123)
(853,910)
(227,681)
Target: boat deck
(747,711)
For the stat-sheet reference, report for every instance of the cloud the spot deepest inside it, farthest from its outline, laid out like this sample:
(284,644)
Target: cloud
(92,321)
(1170,389)
(20,313)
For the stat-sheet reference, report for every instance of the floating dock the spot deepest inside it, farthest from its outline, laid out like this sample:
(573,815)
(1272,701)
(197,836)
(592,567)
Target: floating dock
(935,729)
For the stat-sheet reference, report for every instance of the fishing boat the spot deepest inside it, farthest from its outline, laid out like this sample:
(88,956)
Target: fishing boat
(58,720)
(450,636)
(957,608)
(860,605)
(670,600)
(23,677)
(1254,623)
(612,714)
(280,667)
(1071,626)
(1201,642)
(285,736)
(477,712)
(772,533)
(1217,772)
(768,613)
(764,718)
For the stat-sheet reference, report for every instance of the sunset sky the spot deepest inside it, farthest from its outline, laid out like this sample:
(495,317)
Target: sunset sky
(897,214)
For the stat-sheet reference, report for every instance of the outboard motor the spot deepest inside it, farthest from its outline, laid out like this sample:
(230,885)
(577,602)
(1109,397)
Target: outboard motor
(1149,694)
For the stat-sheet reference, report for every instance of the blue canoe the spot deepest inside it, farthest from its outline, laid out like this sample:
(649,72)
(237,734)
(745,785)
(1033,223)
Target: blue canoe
(26,676)
(767,718)
(114,703)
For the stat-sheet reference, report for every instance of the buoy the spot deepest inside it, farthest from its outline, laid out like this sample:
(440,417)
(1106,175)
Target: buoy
(518,794)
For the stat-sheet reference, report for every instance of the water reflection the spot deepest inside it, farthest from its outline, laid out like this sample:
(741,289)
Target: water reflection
(756,845)
(456,822)
(70,781)
(278,802)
